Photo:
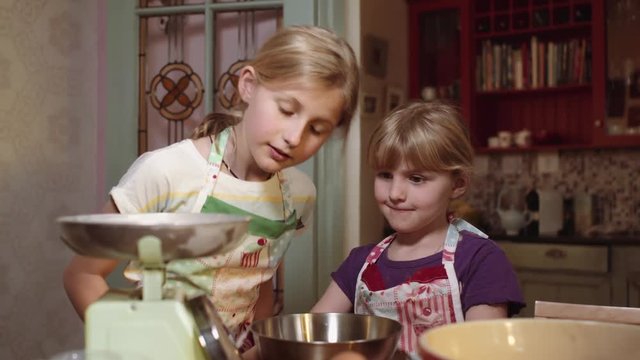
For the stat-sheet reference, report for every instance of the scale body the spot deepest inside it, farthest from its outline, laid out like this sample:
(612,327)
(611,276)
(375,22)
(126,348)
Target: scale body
(152,322)
(162,329)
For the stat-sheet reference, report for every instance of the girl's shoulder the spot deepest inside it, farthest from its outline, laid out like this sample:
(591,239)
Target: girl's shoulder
(475,240)
(299,182)
(182,151)
(474,246)
(359,254)
(178,158)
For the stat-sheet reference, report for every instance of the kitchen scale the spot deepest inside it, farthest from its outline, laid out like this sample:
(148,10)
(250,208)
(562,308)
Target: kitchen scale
(153,322)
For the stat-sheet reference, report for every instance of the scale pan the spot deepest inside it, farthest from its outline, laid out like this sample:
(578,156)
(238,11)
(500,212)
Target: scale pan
(182,235)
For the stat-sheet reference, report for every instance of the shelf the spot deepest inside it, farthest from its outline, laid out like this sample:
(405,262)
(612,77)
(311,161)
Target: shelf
(581,28)
(497,39)
(533,148)
(625,142)
(541,90)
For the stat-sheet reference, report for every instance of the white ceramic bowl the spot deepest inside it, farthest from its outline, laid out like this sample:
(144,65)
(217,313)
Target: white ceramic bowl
(529,339)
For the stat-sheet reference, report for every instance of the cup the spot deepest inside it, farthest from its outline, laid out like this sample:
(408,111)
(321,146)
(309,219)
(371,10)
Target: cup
(429,93)
(523,138)
(493,142)
(505,139)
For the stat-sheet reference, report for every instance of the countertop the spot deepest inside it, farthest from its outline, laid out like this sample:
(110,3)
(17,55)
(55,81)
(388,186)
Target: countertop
(603,239)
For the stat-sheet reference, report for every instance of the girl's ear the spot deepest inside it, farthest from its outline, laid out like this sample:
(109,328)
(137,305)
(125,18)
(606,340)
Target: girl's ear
(247,83)
(460,183)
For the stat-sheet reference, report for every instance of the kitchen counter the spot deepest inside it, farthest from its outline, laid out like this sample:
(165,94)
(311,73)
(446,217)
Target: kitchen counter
(596,270)
(608,239)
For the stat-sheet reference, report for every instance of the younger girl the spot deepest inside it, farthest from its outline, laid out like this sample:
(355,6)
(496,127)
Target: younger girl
(435,269)
(302,84)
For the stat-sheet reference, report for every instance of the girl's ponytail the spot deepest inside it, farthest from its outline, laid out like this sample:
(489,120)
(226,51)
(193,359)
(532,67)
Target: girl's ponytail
(213,124)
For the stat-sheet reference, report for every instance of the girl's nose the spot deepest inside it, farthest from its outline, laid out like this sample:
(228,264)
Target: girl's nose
(397,190)
(293,133)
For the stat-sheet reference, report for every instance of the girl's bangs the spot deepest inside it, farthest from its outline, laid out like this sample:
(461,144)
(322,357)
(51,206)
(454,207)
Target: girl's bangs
(391,153)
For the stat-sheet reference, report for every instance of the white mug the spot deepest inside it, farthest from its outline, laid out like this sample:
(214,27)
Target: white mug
(523,138)
(493,142)
(428,93)
(505,139)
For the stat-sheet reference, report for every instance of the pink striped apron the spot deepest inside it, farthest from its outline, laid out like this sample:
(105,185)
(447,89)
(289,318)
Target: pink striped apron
(429,298)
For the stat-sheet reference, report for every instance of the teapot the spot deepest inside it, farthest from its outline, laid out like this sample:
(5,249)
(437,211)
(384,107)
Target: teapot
(511,208)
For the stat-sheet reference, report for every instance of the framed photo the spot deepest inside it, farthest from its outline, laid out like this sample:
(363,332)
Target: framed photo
(370,104)
(634,89)
(395,97)
(375,56)
(633,117)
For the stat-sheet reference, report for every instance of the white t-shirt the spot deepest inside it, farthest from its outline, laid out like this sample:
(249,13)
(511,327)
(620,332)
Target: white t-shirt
(169,180)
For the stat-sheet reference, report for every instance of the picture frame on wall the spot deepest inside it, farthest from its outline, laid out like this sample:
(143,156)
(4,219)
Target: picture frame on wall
(375,56)
(369,104)
(394,98)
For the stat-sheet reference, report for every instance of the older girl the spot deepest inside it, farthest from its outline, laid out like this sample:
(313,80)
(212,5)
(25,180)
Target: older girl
(301,86)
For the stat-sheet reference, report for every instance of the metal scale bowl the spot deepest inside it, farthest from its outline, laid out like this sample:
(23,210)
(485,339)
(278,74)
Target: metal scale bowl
(155,323)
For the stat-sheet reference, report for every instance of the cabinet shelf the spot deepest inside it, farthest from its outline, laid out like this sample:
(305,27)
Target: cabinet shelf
(533,148)
(541,65)
(532,31)
(541,90)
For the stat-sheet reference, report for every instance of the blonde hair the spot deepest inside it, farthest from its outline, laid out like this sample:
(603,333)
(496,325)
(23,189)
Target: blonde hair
(426,135)
(300,55)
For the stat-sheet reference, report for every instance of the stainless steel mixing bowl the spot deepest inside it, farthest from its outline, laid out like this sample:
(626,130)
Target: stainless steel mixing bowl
(322,336)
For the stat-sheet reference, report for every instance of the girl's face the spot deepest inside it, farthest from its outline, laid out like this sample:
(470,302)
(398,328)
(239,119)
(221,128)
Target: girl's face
(286,125)
(415,201)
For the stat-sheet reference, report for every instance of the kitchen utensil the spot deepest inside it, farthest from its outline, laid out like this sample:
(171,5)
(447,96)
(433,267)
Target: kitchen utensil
(529,339)
(613,314)
(322,336)
(158,323)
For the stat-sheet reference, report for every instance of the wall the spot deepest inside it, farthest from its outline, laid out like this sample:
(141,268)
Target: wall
(611,175)
(48,152)
(376,19)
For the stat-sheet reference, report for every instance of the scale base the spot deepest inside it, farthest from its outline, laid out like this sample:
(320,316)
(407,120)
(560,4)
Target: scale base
(154,330)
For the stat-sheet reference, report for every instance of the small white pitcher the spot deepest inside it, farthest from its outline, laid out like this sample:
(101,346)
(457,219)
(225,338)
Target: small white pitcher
(512,219)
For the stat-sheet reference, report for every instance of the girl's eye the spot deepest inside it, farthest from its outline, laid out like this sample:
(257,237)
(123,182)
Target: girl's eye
(417,179)
(285,112)
(384,175)
(319,129)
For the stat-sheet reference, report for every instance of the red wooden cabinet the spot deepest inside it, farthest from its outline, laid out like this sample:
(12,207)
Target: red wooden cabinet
(540,65)
(616,83)
(439,37)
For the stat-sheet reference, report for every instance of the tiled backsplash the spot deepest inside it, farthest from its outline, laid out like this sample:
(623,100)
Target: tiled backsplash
(611,175)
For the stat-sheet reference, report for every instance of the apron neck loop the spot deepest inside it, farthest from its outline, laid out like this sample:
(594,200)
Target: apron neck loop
(215,163)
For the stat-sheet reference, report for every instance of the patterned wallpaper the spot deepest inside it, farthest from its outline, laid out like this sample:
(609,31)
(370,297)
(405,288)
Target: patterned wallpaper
(610,175)
(48,125)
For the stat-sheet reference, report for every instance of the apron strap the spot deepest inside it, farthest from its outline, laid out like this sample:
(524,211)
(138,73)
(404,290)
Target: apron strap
(214,164)
(448,258)
(213,168)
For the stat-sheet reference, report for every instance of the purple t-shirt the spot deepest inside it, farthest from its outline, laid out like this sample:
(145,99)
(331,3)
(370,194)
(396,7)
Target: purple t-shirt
(482,268)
